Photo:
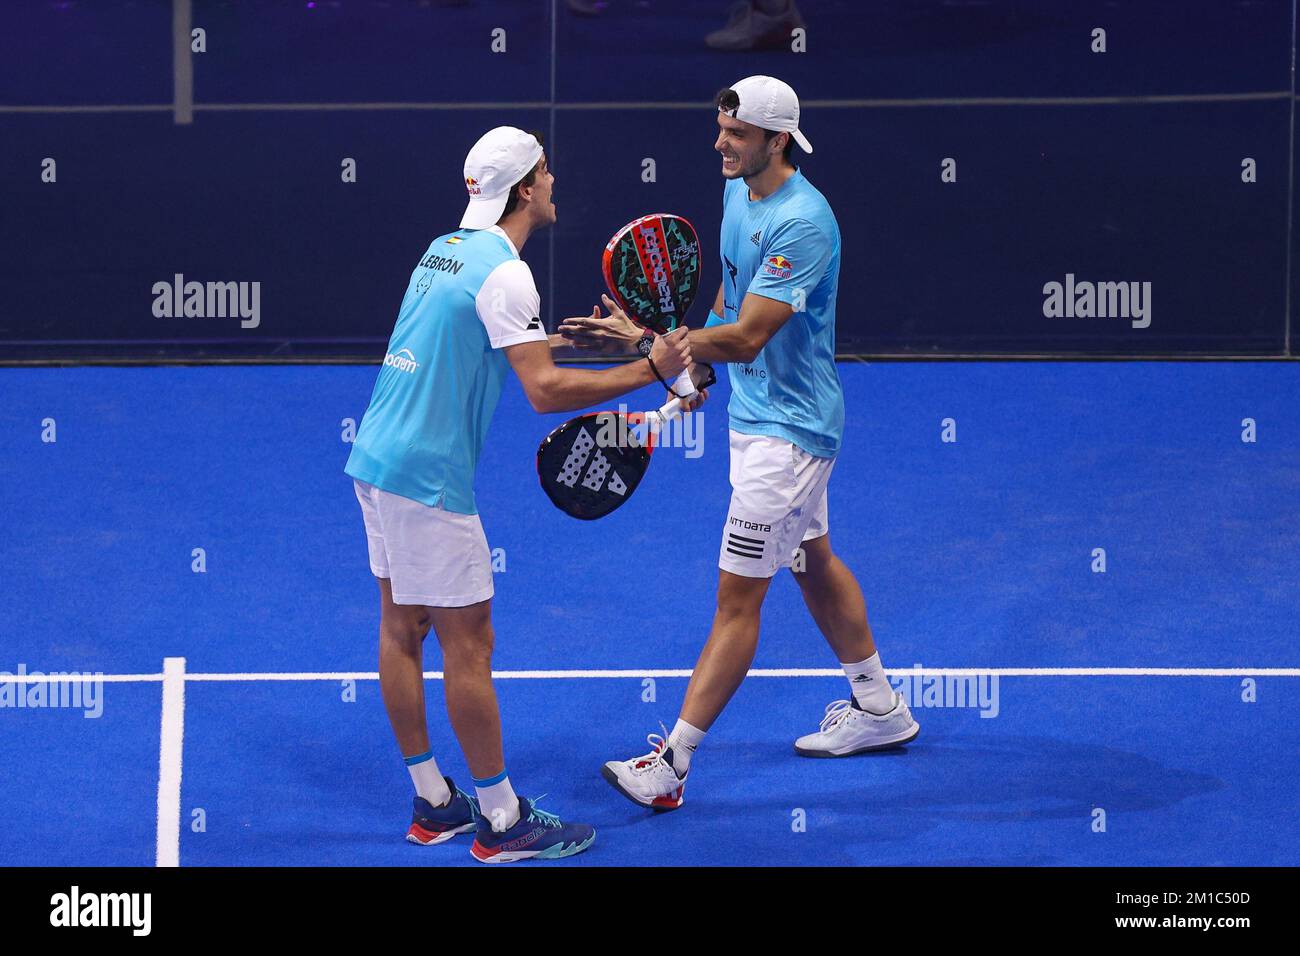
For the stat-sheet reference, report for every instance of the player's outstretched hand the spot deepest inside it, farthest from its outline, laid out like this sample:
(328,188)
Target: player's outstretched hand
(613,333)
(671,353)
(577,333)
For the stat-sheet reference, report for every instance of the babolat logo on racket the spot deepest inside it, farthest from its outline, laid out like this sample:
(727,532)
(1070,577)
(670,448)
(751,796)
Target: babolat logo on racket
(652,270)
(656,268)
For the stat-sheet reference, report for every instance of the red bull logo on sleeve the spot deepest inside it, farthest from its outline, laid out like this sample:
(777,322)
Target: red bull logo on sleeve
(778,266)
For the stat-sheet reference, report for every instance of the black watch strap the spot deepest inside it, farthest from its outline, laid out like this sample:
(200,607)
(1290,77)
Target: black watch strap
(645,343)
(662,380)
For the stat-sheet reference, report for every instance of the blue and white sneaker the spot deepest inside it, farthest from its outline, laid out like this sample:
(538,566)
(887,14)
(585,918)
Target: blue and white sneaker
(537,836)
(432,825)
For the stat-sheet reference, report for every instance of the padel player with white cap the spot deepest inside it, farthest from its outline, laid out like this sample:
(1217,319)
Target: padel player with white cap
(774,322)
(470,310)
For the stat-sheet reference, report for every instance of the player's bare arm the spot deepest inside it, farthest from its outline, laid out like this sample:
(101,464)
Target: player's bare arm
(553,388)
(742,340)
(613,334)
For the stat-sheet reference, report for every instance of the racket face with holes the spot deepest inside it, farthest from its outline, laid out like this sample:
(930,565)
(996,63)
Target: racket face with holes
(590,465)
(652,269)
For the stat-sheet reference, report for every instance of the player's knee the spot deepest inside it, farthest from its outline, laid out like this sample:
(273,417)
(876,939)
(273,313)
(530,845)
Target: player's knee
(738,606)
(466,636)
(470,651)
(408,634)
(814,562)
(406,623)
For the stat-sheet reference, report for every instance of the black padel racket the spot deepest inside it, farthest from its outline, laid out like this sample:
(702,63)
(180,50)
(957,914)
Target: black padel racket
(591,464)
(652,269)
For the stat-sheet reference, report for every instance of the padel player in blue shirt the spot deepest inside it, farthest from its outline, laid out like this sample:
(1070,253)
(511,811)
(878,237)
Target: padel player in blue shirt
(470,310)
(773,322)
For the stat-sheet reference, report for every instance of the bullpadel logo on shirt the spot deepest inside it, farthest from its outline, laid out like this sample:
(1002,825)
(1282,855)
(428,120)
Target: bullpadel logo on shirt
(403,361)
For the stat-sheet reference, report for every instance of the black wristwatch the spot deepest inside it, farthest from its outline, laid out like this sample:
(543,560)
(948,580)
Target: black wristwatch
(645,343)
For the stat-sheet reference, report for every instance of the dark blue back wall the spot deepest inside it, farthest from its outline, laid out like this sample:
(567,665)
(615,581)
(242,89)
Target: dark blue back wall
(1122,166)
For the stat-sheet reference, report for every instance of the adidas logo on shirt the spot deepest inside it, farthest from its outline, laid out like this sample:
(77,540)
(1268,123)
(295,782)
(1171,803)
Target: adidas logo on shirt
(756,237)
(534,323)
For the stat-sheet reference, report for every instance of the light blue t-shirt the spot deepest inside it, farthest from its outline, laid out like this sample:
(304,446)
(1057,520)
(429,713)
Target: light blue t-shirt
(469,298)
(785,246)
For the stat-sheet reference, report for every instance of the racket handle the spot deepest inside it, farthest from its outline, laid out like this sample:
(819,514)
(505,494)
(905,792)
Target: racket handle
(672,408)
(666,413)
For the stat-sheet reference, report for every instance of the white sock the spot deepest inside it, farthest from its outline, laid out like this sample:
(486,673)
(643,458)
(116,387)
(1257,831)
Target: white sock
(497,800)
(682,742)
(870,685)
(429,781)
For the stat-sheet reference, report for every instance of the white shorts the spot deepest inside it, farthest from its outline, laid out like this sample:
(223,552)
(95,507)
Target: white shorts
(433,557)
(778,499)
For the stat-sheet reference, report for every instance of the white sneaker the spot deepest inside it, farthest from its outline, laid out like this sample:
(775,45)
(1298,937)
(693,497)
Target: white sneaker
(846,730)
(649,780)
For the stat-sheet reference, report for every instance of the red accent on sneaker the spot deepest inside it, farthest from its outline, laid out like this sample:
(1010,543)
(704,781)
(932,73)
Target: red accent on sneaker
(420,835)
(672,801)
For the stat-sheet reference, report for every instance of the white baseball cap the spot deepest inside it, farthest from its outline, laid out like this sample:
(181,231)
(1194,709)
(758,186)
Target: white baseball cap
(500,158)
(769,104)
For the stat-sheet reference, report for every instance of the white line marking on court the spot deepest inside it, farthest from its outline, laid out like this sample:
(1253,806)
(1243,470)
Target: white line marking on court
(670,672)
(79,678)
(170,747)
(795,672)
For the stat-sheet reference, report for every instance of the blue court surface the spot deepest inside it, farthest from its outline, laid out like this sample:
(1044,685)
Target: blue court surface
(1157,698)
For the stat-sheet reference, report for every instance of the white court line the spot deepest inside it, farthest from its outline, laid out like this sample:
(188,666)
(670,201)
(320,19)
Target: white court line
(78,678)
(674,672)
(798,672)
(170,747)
